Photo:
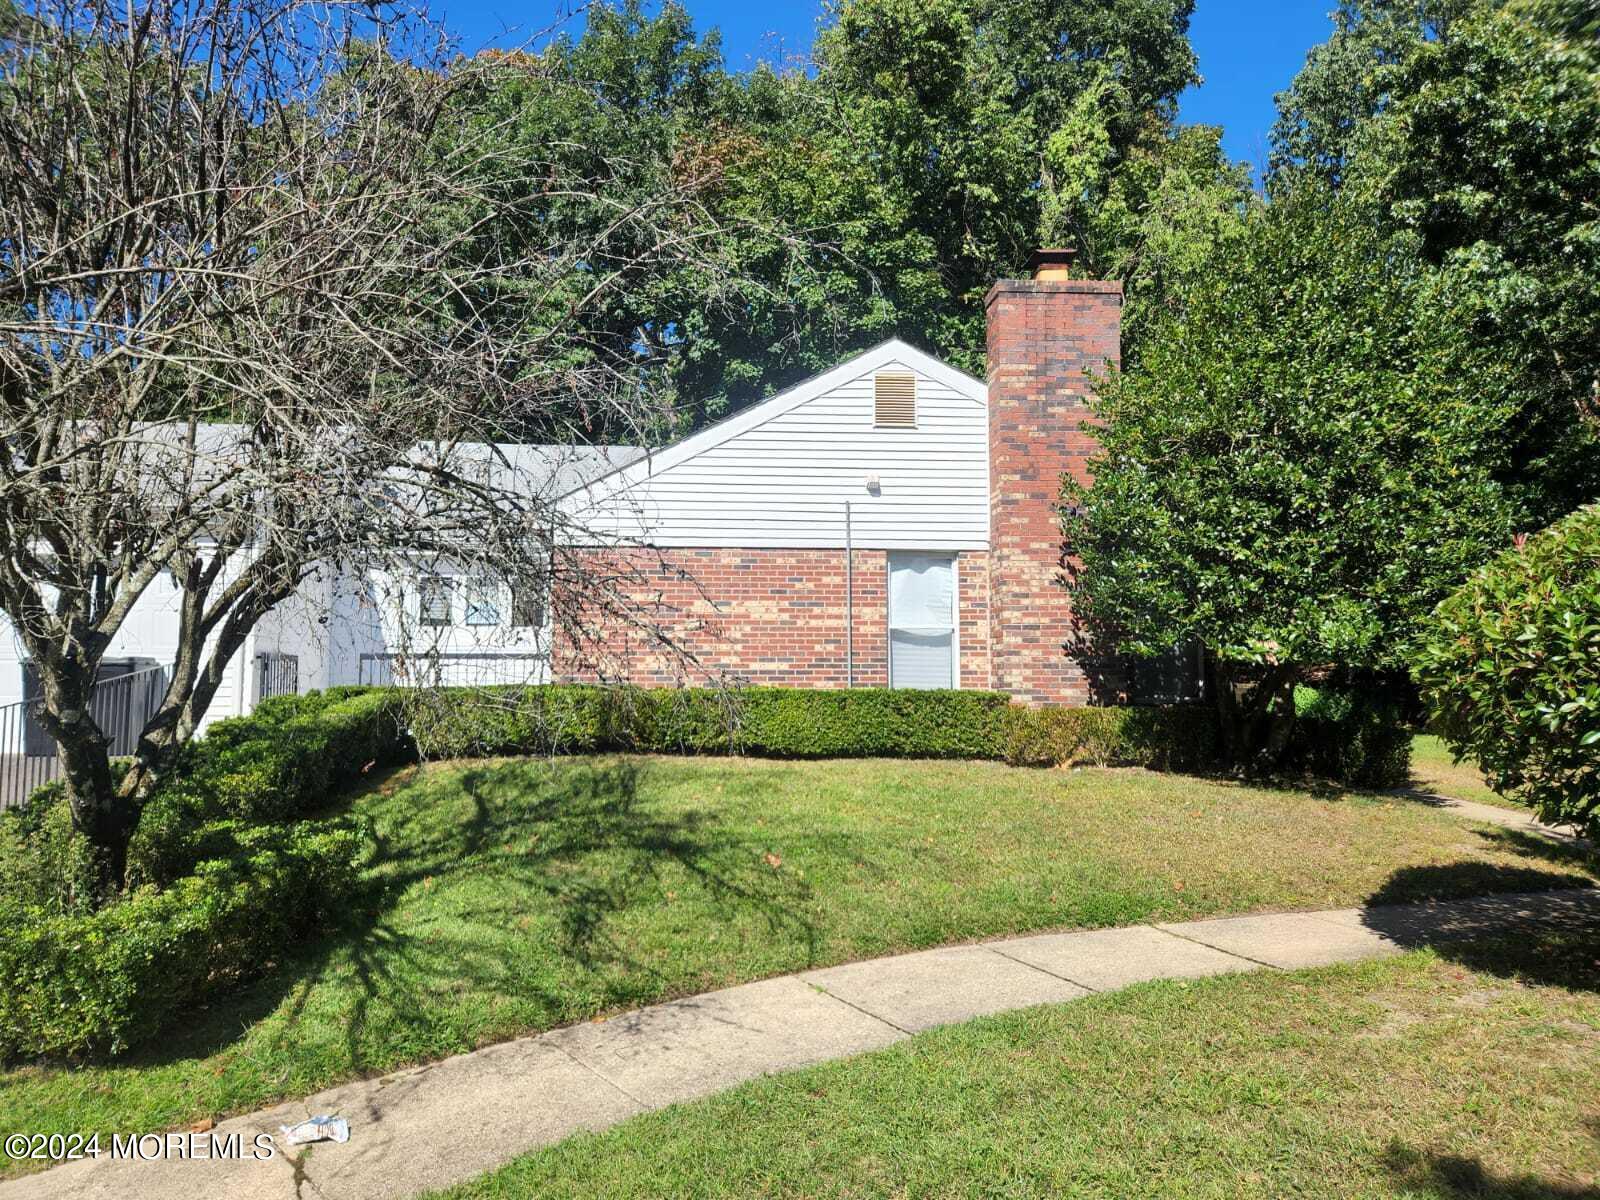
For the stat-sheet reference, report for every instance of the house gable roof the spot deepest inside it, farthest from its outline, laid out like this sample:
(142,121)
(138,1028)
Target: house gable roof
(893,352)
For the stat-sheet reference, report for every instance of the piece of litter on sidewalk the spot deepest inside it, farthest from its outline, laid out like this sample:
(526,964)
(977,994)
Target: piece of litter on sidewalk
(317,1129)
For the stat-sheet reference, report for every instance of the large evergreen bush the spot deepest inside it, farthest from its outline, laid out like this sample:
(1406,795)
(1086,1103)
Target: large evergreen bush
(1511,671)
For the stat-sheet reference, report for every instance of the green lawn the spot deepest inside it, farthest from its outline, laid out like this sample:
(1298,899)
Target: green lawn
(1432,770)
(514,896)
(1411,1077)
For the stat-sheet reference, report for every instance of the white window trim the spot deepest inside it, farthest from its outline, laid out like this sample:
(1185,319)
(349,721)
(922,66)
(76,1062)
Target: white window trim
(955,612)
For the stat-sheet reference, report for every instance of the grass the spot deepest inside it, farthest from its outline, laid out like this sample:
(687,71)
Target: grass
(513,896)
(1433,769)
(1410,1077)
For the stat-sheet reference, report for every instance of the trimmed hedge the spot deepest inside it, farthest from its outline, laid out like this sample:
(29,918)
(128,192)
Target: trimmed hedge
(292,756)
(224,876)
(806,723)
(1340,735)
(1176,738)
(775,722)
(282,763)
(105,981)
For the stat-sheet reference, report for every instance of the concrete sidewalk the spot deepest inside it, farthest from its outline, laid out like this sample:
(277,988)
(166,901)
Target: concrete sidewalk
(436,1125)
(1490,814)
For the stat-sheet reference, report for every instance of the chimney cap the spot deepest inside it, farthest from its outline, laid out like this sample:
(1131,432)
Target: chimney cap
(1051,262)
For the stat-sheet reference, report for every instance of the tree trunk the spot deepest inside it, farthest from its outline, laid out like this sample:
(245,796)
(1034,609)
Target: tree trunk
(101,812)
(1226,697)
(1256,717)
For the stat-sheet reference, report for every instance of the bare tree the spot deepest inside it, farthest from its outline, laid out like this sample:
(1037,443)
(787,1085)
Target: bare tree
(248,331)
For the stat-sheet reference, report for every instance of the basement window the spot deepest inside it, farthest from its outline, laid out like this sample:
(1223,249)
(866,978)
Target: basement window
(895,400)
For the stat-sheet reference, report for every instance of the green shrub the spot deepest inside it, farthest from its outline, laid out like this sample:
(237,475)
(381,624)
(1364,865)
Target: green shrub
(43,861)
(467,722)
(869,722)
(1350,736)
(223,877)
(807,723)
(103,982)
(289,761)
(774,722)
(281,763)
(1179,738)
(1511,671)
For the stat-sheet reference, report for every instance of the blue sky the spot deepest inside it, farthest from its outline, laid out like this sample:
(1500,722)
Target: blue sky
(1248,51)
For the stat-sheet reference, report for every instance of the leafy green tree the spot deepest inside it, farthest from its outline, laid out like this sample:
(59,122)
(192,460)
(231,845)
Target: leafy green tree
(1154,221)
(1489,153)
(932,148)
(1286,480)
(1510,667)
(1475,125)
(1348,79)
(608,106)
(991,128)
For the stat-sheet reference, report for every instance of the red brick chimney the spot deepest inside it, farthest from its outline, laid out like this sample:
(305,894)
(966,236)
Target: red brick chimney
(1047,336)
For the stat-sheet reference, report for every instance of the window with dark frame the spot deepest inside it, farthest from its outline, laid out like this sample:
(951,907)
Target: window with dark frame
(527,604)
(433,600)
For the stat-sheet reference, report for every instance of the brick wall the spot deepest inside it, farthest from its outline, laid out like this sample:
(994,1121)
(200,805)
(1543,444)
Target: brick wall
(760,616)
(1045,340)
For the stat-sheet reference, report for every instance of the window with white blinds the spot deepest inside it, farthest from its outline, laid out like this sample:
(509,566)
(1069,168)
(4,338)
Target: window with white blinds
(922,613)
(433,600)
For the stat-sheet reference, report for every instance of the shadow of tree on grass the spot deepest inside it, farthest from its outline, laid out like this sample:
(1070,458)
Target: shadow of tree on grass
(1530,923)
(466,862)
(1457,1177)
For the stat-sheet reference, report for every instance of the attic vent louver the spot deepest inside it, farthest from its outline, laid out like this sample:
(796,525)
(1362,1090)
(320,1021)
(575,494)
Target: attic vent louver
(895,400)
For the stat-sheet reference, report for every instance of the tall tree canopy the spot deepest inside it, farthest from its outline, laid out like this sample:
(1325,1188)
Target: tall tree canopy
(1393,365)
(1476,126)
(933,145)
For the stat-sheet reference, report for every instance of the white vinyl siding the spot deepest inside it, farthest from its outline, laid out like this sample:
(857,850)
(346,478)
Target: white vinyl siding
(922,621)
(782,480)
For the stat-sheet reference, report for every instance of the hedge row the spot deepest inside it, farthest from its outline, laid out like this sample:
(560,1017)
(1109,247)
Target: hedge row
(106,981)
(291,755)
(1340,735)
(224,876)
(1176,738)
(802,723)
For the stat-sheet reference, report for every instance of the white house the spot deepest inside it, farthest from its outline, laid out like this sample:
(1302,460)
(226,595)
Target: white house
(889,522)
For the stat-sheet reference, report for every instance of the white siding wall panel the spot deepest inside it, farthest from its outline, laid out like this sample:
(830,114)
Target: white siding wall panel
(783,482)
